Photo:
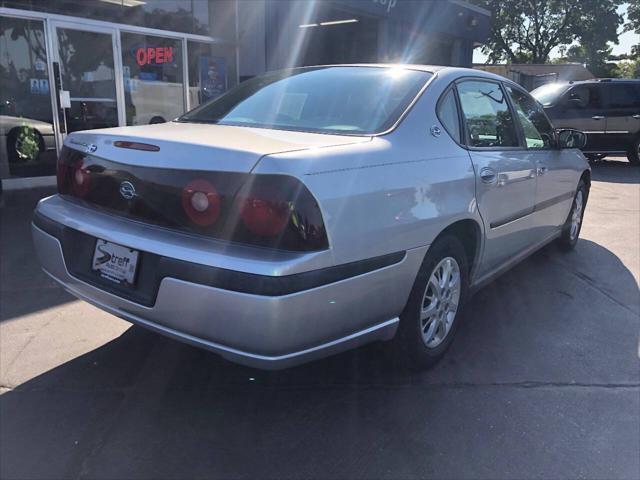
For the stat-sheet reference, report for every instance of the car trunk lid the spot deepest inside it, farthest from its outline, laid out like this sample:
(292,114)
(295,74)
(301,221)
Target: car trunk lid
(203,147)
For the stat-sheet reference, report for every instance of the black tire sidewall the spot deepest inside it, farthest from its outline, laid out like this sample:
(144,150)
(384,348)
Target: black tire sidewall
(632,153)
(565,241)
(409,345)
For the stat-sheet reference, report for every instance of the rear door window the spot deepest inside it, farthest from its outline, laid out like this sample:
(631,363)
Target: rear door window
(538,132)
(488,118)
(623,95)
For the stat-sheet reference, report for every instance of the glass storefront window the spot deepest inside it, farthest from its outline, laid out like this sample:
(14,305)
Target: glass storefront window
(27,142)
(188,16)
(87,71)
(212,71)
(152,74)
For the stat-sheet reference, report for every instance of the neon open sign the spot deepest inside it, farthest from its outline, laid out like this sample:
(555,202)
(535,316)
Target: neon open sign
(154,55)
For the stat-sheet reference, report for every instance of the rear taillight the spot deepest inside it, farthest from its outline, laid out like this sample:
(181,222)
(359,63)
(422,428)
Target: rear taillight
(273,211)
(201,202)
(278,211)
(73,175)
(264,217)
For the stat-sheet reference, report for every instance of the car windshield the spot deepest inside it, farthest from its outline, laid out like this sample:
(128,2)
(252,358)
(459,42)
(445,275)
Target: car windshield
(549,93)
(344,100)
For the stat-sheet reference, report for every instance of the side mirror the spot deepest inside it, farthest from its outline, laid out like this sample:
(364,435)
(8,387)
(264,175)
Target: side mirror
(568,138)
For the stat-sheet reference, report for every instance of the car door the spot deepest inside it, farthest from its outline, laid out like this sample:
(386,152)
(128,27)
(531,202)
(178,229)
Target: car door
(505,174)
(581,107)
(622,102)
(555,170)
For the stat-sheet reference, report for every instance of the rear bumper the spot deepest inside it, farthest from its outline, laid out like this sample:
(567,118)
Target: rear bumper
(264,331)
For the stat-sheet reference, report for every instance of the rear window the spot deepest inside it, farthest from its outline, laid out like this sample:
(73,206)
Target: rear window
(344,100)
(624,95)
(549,93)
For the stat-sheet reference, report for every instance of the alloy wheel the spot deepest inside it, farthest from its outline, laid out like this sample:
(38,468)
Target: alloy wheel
(440,302)
(576,215)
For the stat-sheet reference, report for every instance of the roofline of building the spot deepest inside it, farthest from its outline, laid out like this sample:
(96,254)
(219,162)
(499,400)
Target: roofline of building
(471,6)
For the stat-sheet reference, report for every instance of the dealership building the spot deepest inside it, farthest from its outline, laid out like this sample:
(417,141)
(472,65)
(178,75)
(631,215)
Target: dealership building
(68,65)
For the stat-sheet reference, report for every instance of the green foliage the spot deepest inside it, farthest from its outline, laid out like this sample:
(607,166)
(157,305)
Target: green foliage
(27,146)
(629,68)
(633,16)
(525,31)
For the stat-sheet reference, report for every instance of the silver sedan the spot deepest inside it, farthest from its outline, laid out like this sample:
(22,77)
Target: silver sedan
(312,210)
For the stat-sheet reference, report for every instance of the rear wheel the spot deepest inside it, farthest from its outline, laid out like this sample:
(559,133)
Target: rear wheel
(430,318)
(571,229)
(633,154)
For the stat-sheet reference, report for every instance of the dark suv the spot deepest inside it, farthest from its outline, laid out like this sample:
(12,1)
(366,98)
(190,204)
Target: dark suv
(608,111)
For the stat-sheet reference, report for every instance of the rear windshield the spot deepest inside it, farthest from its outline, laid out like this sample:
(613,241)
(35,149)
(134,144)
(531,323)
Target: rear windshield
(549,93)
(344,100)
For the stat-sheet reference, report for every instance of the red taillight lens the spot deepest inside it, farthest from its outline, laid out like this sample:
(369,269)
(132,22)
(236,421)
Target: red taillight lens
(278,211)
(266,218)
(81,179)
(201,202)
(73,177)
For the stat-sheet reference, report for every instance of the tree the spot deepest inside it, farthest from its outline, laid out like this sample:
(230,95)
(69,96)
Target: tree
(596,58)
(633,24)
(526,31)
(633,16)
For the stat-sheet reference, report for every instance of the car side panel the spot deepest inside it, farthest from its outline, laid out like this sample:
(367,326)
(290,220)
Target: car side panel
(556,186)
(397,192)
(506,203)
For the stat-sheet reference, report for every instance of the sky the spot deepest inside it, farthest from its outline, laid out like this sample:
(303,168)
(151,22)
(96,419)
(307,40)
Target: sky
(625,42)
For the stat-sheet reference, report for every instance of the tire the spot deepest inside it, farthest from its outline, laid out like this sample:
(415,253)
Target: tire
(421,342)
(13,146)
(594,157)
(572,226)
(633,154)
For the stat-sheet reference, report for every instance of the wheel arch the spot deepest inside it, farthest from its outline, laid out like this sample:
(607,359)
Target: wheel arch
(469,232)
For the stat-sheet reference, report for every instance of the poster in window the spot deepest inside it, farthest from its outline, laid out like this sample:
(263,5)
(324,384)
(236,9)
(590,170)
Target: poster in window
(213,77)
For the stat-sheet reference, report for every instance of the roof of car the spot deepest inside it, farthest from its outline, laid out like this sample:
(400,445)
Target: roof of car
(424,68)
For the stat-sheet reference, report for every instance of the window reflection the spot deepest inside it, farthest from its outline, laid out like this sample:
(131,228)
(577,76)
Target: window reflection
(86,67)
(211,71)
(27,144)
(189,16)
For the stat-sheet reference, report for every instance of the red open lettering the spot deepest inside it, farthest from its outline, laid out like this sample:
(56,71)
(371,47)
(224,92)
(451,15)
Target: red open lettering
(151,55)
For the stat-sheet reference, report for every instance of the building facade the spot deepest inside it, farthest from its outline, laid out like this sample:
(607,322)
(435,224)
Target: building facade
(69,65)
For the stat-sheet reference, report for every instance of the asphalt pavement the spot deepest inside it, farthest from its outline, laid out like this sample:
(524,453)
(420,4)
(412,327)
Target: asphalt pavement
(542,381)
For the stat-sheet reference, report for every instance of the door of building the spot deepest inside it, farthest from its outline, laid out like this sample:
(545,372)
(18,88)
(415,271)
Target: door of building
(86,72)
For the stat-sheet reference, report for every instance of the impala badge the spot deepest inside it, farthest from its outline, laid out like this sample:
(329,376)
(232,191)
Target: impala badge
(88,147)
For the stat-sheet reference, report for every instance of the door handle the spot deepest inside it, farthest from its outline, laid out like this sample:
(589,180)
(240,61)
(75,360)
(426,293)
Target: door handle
(541,170)
(636,116)
(488,175)
(598,117)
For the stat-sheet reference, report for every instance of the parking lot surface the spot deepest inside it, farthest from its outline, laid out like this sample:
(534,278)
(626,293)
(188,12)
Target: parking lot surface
(542,381)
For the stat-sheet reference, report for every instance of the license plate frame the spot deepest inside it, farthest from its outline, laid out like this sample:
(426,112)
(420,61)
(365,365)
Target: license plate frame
(114,262)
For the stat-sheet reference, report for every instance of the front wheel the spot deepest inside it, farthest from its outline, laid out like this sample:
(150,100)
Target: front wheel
(430,318)
(572,226)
